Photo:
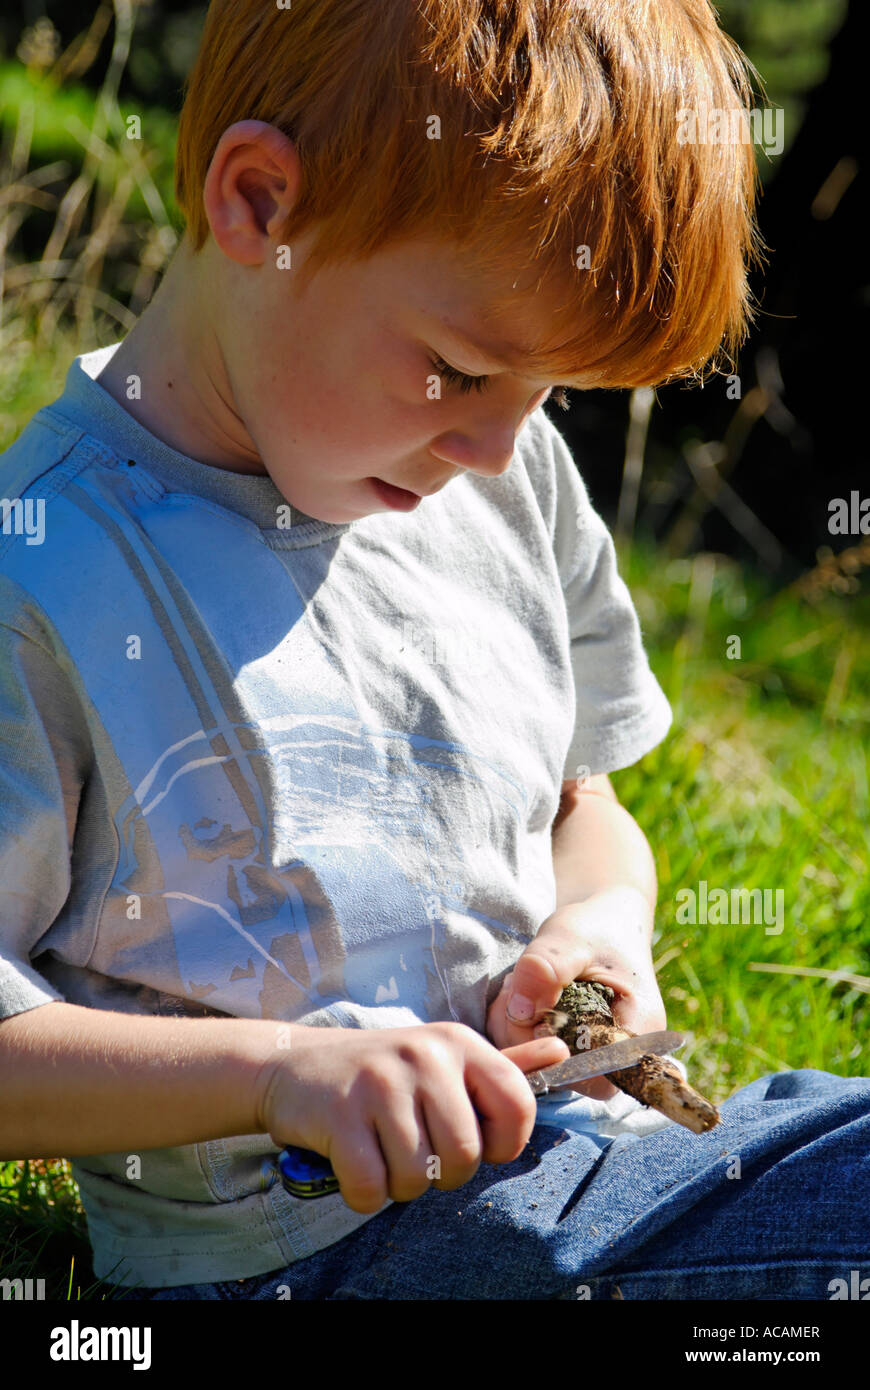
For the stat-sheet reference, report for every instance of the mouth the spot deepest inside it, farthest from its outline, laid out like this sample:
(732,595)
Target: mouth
(398,498)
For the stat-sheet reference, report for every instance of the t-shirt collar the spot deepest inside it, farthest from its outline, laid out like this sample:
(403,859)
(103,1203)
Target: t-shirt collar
(256,497)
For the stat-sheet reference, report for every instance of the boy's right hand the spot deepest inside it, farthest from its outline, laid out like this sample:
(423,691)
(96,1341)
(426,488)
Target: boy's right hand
(381,1104)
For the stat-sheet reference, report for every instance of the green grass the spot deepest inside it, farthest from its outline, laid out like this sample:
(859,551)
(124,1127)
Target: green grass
(30,379)
(763,782)
(43,1233)
(62,119)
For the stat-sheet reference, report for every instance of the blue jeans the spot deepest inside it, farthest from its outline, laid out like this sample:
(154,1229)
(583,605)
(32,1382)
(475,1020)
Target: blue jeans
(774,1203)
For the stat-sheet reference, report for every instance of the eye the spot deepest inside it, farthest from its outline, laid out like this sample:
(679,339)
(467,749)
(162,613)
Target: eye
(456,378)
(480,383)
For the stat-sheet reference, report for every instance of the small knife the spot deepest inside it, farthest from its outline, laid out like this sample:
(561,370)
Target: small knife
(308,1174)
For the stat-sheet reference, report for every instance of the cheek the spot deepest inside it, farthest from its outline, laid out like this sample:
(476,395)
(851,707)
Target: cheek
(347,425)
(356,400)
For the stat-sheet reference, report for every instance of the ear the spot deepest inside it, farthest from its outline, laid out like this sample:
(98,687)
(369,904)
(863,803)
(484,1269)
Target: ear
(250,188)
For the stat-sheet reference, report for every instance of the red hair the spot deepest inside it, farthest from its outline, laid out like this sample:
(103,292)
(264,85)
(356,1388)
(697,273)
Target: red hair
(559,123)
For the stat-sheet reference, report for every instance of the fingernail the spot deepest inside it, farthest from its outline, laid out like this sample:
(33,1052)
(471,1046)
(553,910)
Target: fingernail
(519,1008)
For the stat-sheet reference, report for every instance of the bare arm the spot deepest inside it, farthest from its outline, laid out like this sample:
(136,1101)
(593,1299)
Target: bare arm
(598,847)
(377,1102)
(87,1081)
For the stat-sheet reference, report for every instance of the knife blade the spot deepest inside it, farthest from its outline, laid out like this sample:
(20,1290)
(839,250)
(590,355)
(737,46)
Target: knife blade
(304,1173)
(599,1061)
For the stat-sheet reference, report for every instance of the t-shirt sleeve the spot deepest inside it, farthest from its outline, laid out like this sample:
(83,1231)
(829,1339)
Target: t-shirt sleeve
(43,742)
(620,710)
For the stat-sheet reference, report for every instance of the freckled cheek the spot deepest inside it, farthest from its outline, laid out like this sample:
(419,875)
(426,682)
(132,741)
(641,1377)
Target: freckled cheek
(301,397)
(372,415)
(395,427)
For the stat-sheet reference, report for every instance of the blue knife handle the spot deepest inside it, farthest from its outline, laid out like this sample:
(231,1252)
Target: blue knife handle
(305,1173)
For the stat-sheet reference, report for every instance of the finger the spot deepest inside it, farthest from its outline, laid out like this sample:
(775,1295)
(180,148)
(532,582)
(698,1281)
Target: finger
(537,1053)
(597,1088)
(505,1106)
(505,1034)
(359,1166)
(457,1140)
(406,1146)
(501,1031)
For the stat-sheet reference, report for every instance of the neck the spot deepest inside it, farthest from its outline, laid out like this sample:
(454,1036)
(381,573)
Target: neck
(182,393)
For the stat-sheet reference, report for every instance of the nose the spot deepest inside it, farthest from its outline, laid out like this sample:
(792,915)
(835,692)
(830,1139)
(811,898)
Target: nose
(490,456)
(491,452)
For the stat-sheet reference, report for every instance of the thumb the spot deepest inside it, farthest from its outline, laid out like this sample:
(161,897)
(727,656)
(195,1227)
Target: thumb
(546,966)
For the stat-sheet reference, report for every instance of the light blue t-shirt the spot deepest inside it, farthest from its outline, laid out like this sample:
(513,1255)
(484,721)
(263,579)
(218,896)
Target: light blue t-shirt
(259,765)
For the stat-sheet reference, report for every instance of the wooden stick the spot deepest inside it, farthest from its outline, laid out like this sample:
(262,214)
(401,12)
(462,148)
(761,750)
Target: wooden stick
(584,1019)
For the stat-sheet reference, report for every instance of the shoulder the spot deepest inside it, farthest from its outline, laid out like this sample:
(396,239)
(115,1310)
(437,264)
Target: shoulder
(536,446)
(51,552)
(34,470)
(575,529)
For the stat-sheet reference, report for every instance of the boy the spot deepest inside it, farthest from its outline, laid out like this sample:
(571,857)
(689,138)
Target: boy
(311,688)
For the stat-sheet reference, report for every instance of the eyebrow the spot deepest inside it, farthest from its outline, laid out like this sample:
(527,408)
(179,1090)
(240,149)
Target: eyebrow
(516,356)
(501,355)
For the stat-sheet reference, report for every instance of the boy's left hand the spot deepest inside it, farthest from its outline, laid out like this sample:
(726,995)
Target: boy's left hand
(579,942)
